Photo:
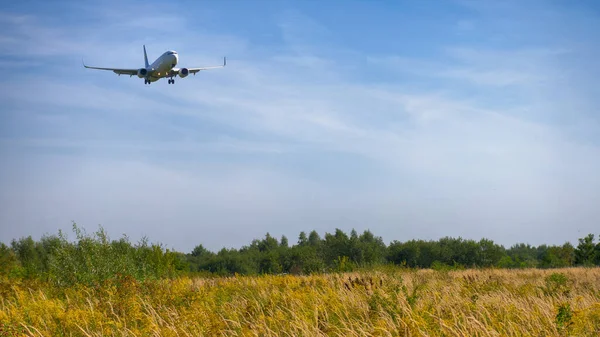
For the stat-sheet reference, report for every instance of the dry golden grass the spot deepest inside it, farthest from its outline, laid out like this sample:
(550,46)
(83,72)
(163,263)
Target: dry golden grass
(393,302)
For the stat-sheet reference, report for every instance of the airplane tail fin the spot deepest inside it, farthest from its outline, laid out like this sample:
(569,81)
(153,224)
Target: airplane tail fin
(146,57)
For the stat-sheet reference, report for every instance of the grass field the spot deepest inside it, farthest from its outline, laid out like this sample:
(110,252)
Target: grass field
(385,302)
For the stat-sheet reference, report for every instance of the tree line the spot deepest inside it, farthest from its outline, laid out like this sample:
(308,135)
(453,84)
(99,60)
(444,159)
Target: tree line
(95,258)
(339,251)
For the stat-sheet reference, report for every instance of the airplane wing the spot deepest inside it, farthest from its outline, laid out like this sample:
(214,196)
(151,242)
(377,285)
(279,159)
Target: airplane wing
(195,70)
(115,70)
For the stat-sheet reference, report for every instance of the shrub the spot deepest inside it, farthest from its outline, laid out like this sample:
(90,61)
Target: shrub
(91,260)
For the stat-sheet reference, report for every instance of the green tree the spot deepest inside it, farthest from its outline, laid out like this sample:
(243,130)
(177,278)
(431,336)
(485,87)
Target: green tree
(269,263)
(302,239)
(268,244)
(303,260)
(567,254)
(28,253)
(231,261)
(199,258)
(372,249)
(200,251)
(586,251)
(408,253)
(335,246)
(9,263)
(597,254)
(353,234)
(489,253)
(507,262)
(314,239)
(557,256)
(523,255)
(284,242)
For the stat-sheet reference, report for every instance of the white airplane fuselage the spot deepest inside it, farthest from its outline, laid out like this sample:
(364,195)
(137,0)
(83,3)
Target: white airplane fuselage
(162,66)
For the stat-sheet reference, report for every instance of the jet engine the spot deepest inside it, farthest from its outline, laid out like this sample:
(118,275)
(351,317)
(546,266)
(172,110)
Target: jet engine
(142,72)
(183,72)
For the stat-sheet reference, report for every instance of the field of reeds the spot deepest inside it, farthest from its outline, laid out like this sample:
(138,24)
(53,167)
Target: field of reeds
(383,302)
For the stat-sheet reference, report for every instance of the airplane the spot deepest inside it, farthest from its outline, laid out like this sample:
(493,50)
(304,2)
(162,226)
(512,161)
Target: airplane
(164,66)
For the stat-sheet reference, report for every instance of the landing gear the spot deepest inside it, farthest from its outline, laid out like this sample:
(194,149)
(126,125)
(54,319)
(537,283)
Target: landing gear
(171,81)
(146,81)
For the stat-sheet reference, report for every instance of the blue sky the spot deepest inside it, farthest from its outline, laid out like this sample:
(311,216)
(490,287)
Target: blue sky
(412,119)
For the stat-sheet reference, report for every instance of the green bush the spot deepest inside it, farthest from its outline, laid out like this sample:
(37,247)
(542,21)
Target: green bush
(95,259)
(556,283)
